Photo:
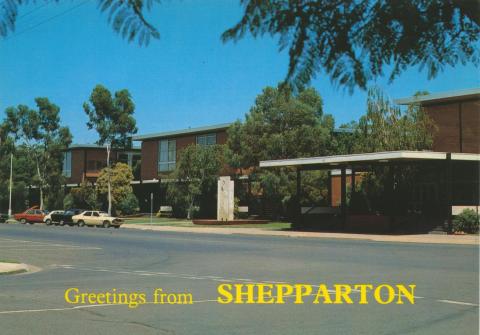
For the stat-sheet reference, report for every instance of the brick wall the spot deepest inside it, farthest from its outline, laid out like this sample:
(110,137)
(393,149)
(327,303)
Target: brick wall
(471,126)
(80,159)
(458,126)
(149,159)
(78,156)
(150,151)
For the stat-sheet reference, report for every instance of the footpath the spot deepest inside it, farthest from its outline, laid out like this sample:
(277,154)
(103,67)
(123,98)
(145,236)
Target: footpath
(12,268)
(418,238)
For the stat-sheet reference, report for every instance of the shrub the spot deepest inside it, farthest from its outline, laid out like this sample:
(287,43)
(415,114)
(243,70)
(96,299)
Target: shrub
(467,221)
(128,205)
(68,201)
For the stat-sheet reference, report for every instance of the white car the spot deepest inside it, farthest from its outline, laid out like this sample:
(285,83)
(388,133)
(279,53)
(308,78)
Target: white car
(48,218)
(96,218)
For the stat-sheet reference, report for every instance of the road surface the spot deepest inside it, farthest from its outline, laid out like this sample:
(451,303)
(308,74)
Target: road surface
(99,260)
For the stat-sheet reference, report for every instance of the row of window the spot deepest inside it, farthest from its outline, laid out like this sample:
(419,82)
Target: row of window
(95,165)
(167,156)
(167,151)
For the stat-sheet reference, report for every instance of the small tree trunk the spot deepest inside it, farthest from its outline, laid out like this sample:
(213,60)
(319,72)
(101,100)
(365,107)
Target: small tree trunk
(108,183)
(190,211)
(40,186)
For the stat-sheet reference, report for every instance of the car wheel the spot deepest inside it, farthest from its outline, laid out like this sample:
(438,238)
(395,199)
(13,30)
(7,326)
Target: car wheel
(48,222)
(106,224)
(81,223)
(23,221)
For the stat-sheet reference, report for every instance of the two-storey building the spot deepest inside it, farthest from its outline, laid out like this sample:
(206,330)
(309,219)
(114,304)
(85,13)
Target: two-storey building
(160,152)
(85,161)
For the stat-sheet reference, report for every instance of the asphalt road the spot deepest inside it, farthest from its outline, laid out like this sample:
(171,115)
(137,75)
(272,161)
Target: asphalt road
(94,259)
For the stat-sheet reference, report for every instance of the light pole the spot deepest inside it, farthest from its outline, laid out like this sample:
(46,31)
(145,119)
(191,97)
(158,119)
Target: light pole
(11,184)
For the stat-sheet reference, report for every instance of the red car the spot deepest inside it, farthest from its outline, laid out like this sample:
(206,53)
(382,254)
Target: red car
(31,215)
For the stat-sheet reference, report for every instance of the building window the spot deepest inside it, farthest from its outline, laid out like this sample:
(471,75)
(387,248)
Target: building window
(167,155)
(207,139)
(124,158)
(95,166)
(67,164)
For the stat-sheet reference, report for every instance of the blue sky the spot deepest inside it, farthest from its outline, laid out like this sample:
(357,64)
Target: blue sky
(187,78)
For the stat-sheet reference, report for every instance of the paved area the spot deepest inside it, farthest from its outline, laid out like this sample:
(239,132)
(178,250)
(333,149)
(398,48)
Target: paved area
(12,267)
(420,238)
(97,259)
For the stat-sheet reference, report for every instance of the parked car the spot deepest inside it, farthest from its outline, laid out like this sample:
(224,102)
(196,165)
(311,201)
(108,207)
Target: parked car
(48,218)
(96,218)
(66,216)
(31,215)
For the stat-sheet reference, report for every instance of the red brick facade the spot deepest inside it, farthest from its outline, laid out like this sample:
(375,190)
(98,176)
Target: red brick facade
(88,161)
(458,126)
(150,151)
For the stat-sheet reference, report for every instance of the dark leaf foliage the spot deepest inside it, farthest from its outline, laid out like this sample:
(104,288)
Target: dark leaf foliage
(352,41)
(356,41)
(125,16)
(127,19)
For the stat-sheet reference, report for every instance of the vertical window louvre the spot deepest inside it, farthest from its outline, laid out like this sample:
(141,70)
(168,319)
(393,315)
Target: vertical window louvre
(167,155)
(67,164)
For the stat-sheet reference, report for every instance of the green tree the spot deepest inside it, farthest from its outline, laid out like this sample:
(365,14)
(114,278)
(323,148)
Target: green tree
(356,41)
(23,172)
(112,118)
(386,128)
(281,125)
(129,205)
(120,178)
(84,196)
(196,174)
(345,138)
(44,140)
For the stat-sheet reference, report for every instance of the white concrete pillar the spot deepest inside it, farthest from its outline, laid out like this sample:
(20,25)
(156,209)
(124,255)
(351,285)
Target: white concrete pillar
(225,199)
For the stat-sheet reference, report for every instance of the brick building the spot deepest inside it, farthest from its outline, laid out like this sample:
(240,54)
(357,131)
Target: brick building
(446,179)
(84,162)
(160,152)
(457,116)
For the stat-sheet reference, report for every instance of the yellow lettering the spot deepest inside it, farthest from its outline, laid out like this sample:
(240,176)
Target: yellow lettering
(302,290)
(249,295)
(378,294)
(67,295)
(342,294)
(322,292)
(404,292)
(224,290)
(282,291)
(265,291)
(363,292)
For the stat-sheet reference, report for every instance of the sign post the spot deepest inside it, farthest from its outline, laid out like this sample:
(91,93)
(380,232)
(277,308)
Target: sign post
(151,207)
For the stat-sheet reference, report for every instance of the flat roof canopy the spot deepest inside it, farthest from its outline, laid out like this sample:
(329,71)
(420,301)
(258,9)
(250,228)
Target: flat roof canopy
(182,132)
(451,96)
(367,158)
